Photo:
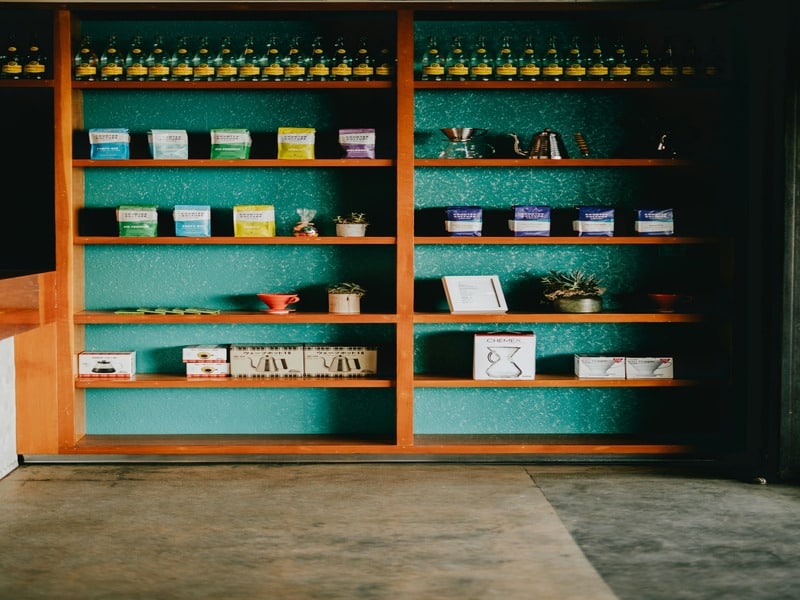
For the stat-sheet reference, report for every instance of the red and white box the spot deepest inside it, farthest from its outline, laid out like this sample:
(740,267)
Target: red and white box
(340,361)
(504,355)
(107,364)
(266,360)
(208,369)
(649,367)
(212,353)
(599,366)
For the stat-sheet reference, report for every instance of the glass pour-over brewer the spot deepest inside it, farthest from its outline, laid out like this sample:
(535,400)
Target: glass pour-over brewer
(462,145)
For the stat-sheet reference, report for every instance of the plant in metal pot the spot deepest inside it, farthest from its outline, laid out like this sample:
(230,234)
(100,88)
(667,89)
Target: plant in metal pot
(573,291)
(345,297)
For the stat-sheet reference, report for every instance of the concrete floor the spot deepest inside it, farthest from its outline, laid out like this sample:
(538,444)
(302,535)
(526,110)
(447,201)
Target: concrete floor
(380,531)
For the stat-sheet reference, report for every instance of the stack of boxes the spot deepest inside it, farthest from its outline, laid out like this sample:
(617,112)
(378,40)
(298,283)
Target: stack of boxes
(206,361)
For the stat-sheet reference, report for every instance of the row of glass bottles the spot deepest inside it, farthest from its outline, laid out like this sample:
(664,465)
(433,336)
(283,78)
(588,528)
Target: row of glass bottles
(274,61)
(479,63)
(28,62)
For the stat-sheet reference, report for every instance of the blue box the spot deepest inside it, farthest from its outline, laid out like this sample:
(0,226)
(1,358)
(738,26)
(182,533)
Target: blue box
(192,220)
(654,221)
(529,220)
(109,143)
(594,221)
(464,220)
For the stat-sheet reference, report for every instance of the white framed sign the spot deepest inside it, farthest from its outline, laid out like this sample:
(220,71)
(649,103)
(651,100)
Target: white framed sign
(474,294)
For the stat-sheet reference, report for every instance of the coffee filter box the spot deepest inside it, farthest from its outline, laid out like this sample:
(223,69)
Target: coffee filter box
(266,360)
(529,220)
(504,355)
(107,364)
(654,221)
(594,221)
(463,220)
(649,367)
(600,366)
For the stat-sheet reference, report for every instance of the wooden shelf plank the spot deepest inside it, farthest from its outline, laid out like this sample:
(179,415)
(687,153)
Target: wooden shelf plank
(250,163)
(643,240)
(601,317)
(231,240)
(157,381)
(553,163)
(232,85)
(256,317)
(559,381)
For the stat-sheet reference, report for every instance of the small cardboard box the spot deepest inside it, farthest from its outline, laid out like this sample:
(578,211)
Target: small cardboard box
(649,367)
(296,143)
(254,220)
(137,220)
(594,221)
(192,220)
(266,360)
(168,144)
(504,355)
(340,361)
(654,221)
(107,364)
(109,143)
(463,220)
(599,366)
(530,221)
(208,369)
(203,354)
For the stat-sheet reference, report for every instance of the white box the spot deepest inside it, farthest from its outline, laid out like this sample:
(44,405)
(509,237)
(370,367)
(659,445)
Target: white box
(107,364)
(340,361)
(599,366)
(266,360)
(504,355)
(214,353)
(649,367)
(208,369)
(168,143)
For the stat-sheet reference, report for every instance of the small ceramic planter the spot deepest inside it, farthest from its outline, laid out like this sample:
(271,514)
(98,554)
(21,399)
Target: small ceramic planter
(344,304)
(351,229)
(585,304)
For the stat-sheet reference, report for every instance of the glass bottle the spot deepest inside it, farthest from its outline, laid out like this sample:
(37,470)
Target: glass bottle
(667,66)
(455,63)
(481,63)
(248,61)
(157,60)
(598,65)
(384,65)
(575,63)
(135,68)
(505,63)
(552,63)
(363,64)
(319,64)
(295,64)
(34,65)
(203,61)
(621,69)
(689,62)
(432,62)
(112,62)
(342,62)
(11,66)
(225,61)
(180,64)
(529,67)
(85,62)
(644,67)
(272,60)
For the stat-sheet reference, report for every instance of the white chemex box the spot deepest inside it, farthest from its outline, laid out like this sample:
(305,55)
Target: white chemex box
(214,353)
(266,360)
(648,367)
(208,369)
(340,361)
(107,364)
(600,366)
(504,355)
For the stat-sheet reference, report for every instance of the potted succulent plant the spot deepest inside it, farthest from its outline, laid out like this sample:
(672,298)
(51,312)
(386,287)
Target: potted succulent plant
(573,291)
(352,225)
(345,298)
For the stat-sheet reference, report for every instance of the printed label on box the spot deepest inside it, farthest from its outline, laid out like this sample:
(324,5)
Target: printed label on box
(340,361)
(107,364)
(266,360)
(208,369)
(504,355)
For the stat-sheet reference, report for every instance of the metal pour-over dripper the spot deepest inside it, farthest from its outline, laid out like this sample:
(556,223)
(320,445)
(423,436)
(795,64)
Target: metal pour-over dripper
(461,144)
